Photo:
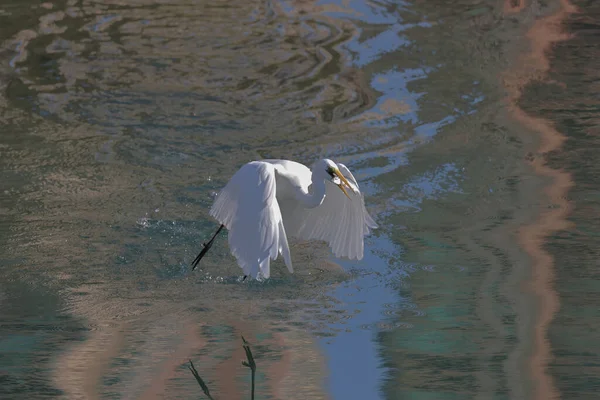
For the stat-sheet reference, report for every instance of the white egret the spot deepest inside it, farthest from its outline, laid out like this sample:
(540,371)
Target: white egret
(267,201)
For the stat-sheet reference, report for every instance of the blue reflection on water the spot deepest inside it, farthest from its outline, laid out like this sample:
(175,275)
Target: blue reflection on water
(354,364)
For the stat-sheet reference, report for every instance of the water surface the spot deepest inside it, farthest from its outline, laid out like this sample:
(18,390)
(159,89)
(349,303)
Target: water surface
(121,120)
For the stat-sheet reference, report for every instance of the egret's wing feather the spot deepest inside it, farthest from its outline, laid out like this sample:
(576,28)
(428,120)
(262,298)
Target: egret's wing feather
(346,172)
(248,207)
(341,221)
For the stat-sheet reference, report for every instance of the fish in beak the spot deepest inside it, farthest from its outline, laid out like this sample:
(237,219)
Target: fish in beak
(343,181)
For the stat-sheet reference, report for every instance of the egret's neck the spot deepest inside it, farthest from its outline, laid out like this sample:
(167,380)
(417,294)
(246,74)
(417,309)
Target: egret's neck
(311,199)
(314,199)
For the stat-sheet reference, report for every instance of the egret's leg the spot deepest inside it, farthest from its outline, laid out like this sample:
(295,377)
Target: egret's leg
(206,247)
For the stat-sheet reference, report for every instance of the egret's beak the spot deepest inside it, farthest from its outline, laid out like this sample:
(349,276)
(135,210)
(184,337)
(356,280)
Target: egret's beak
(343,180)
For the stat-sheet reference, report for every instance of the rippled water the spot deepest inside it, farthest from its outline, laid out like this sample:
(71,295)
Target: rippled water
(121,120)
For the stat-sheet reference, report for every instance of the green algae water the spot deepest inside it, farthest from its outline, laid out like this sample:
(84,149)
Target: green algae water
(120,121)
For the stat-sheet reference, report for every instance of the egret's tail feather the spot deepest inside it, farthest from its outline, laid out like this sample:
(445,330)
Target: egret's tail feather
(251,270)
(265,268)
(285,248)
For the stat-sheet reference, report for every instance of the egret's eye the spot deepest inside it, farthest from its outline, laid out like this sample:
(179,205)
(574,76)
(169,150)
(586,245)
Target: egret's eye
(330,171)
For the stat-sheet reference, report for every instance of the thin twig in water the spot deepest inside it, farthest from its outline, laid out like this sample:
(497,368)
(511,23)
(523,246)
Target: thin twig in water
(250,363)
(199,380)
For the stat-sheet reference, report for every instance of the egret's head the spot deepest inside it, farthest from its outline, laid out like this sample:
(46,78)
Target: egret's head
(333,174)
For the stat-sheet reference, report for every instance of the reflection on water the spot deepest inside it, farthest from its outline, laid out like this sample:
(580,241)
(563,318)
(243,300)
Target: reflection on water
(569,99)
(120,122)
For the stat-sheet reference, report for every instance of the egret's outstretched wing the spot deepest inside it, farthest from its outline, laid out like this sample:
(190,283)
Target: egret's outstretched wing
(247,206)
(346,172)
(341,221)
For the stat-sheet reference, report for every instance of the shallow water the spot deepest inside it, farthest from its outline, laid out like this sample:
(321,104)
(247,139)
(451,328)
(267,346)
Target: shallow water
(120,122)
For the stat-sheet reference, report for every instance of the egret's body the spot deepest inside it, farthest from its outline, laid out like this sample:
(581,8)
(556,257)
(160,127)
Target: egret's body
(267,201)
